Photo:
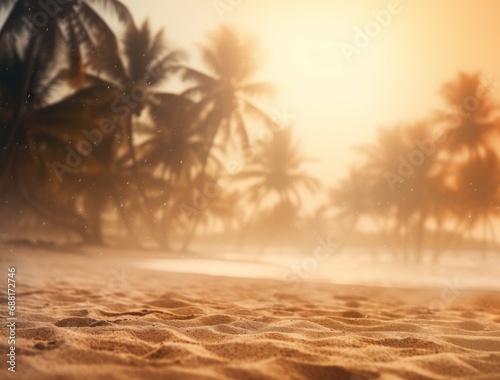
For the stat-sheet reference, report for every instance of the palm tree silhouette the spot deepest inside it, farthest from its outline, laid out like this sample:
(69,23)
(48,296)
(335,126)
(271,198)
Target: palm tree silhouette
(76,32)
(277,170)
(55,127)
(147,65)
(44,132)
(477,188)
(470,130)
(351,197)
(404,181)
(225,93)
(277,224)
(275,175)
(76,24)
(173,149)
(470,120)
(223,212)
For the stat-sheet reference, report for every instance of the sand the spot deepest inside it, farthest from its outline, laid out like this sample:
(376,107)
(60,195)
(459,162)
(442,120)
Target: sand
(93,315)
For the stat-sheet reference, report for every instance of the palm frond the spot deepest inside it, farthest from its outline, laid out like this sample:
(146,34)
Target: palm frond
(104,52)
(114,6)
(259,89)
(196,76)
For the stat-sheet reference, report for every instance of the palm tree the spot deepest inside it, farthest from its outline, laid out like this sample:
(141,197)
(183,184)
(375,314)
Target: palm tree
(351,198)
(147,65)
(276,172)
(32,137)
(477,187)
(278,224)
(469,148)
(49,131)
(404,181)
(172,150)
(92,45)
(28,161)
(222,211)
(225,94)
(472,121)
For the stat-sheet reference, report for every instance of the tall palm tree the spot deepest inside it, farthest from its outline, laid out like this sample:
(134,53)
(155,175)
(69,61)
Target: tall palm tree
(46,130)
(49,131)
(147,64)
(471,129)
(226,92)
(92,45)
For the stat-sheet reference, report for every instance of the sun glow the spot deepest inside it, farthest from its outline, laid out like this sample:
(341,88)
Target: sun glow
(340,96)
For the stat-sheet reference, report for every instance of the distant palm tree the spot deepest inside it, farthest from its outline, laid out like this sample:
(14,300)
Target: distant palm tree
(351,197)
(404,180)
(276,174)
(471,118)
(223,211)
(478,190)
(469,146)
(225,94)
(277,224)
(277,170)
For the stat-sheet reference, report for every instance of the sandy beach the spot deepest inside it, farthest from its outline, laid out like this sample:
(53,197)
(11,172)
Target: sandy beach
(82,315)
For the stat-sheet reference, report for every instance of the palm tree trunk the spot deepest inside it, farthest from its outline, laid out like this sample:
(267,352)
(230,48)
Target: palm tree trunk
(437,241)
(142,193)
(94,211)
(493,234)
(419,236)
(248,224)
(485,238)
(462,225)
(194,225)
(74,222)
(14,124)
(191,233)
(391,245)
(163,236)
(126,222)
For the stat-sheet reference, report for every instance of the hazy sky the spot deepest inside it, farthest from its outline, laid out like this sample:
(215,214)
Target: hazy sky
(337,103)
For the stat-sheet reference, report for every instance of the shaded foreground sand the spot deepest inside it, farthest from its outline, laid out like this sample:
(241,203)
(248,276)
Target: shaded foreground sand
(84,316)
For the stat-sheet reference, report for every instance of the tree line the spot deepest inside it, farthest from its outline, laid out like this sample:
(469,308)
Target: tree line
(92,142)
(428,183)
